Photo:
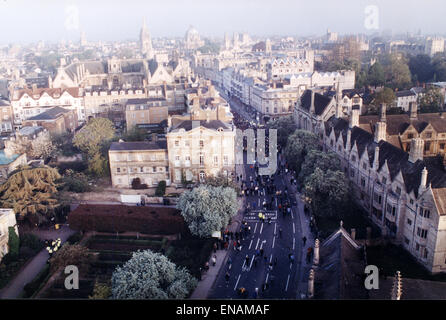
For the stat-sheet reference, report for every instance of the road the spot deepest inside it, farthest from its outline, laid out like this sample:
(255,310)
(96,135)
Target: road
(282,281)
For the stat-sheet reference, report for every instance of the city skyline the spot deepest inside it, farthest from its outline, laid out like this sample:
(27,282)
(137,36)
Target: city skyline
(64,20)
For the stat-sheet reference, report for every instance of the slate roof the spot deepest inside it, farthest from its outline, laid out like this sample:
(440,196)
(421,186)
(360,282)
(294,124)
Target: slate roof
(139,145)
(320,102)
(212,124)
(404,93)
(396,158)
(340,274)
(51,114)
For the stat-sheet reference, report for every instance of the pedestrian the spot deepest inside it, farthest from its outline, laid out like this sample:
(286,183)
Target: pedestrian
(275,261)
(256,293)
(235,244)
(304,240)
(280,232)
(257,252)
(261,252)
(206,266)
(265,258)
(227,277)
(255,261)
(215,247)
(214,260)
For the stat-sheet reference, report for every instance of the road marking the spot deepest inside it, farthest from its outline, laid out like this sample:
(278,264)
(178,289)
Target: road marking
(252,260)
(261,246)
(275,227)
(259,202)
(291,265)
(294,229)
(271,258)
(274,241)
(258,239)
(286,287)
(255,228)
(251,244)
(292,215)
(237,281)
(261,229)
(294,242)
(267,275)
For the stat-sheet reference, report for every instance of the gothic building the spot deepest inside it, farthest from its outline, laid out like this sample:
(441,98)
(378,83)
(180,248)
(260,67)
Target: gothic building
(146,42)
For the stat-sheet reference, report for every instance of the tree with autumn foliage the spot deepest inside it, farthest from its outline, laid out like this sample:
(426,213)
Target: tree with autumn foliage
(32,193)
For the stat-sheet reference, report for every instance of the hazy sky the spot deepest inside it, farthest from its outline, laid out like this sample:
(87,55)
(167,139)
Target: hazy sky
(52,20)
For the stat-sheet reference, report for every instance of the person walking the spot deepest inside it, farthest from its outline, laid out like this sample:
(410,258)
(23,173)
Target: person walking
(247,260)
(304,240)
(280,232)
(214,260)
(261,252)
(227,276)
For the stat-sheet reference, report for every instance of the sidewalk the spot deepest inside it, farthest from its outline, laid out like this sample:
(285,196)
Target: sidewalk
(208,278)
(33,267)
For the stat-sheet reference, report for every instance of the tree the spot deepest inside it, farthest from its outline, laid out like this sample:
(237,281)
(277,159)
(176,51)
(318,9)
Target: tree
(297,147)
(439,68)
(386,96)
(150,275)
(134,134)
(90,138)
(318,159)
(39,147)
(285,127)
(160,189)
(72,254)
(421,68)
(100,291)
(397,71)
(98,165)
(375,75)
(207,209)
(431,101)
(32,192)
(75,181)
(13,242)
(326,191)
(221,180)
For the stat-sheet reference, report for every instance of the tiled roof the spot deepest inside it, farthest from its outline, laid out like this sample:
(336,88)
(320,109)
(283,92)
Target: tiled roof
(51,114)
(320,102)
(212,124)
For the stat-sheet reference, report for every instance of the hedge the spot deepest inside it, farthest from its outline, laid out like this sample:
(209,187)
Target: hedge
(160,189)
(121,218)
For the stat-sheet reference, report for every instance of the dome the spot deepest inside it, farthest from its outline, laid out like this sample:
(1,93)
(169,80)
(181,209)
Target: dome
(191,32)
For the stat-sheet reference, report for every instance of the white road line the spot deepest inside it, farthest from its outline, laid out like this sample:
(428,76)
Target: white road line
(261,229)
(294,228)
(255,228)
(291,265)
(274,241)
(275,227)
(259,202)
(258,239)
(252,260)
(267,275)
(271,258)
(292,215)
(276,202)
(288,280)
(237,281)
(261,245)
(251,244)
(243,266)
(294,242)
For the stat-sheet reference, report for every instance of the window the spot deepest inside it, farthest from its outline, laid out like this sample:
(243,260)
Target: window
(118,170)
(398,190)
(384,180)
(406,240)
(364,166)
(153,169)
(225,160)
(201,143)
(425,253)
(422,233)
(177,143)
(417,247)
(409,222)
(363,182)
(352,174)
(425,213)
(377,198)
(187,143)
(353,158)
(177,158)
(215,161)
(201,160)
(410,136)
(429,135)
(141,169)
(411,201)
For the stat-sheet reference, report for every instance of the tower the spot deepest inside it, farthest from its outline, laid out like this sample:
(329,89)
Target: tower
(146,41)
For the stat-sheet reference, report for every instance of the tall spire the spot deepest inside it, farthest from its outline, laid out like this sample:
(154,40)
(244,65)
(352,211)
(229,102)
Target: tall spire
(145,40)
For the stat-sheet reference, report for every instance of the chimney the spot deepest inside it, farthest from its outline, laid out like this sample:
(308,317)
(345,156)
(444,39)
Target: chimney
(382,116)
(169,121)
(416,150)
(312,110)
(413,111)
(376,159)
(316,252)
(353,233)
(423,181)
(310,292)
(349,141)
(380,131)
(354,118)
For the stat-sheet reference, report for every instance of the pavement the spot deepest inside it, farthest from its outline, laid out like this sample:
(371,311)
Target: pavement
(33,267)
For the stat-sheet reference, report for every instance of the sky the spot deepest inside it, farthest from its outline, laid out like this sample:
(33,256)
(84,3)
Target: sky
(25,21)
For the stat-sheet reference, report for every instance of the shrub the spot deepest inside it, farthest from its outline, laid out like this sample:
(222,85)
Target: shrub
(136,184)
(160,189)
(31,241)
(13,242)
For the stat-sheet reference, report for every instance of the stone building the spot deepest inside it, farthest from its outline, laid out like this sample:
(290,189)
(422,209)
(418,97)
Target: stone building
(144,160)
(144,111)
(403,192)
(6,117)
(56,120)
(7,220)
